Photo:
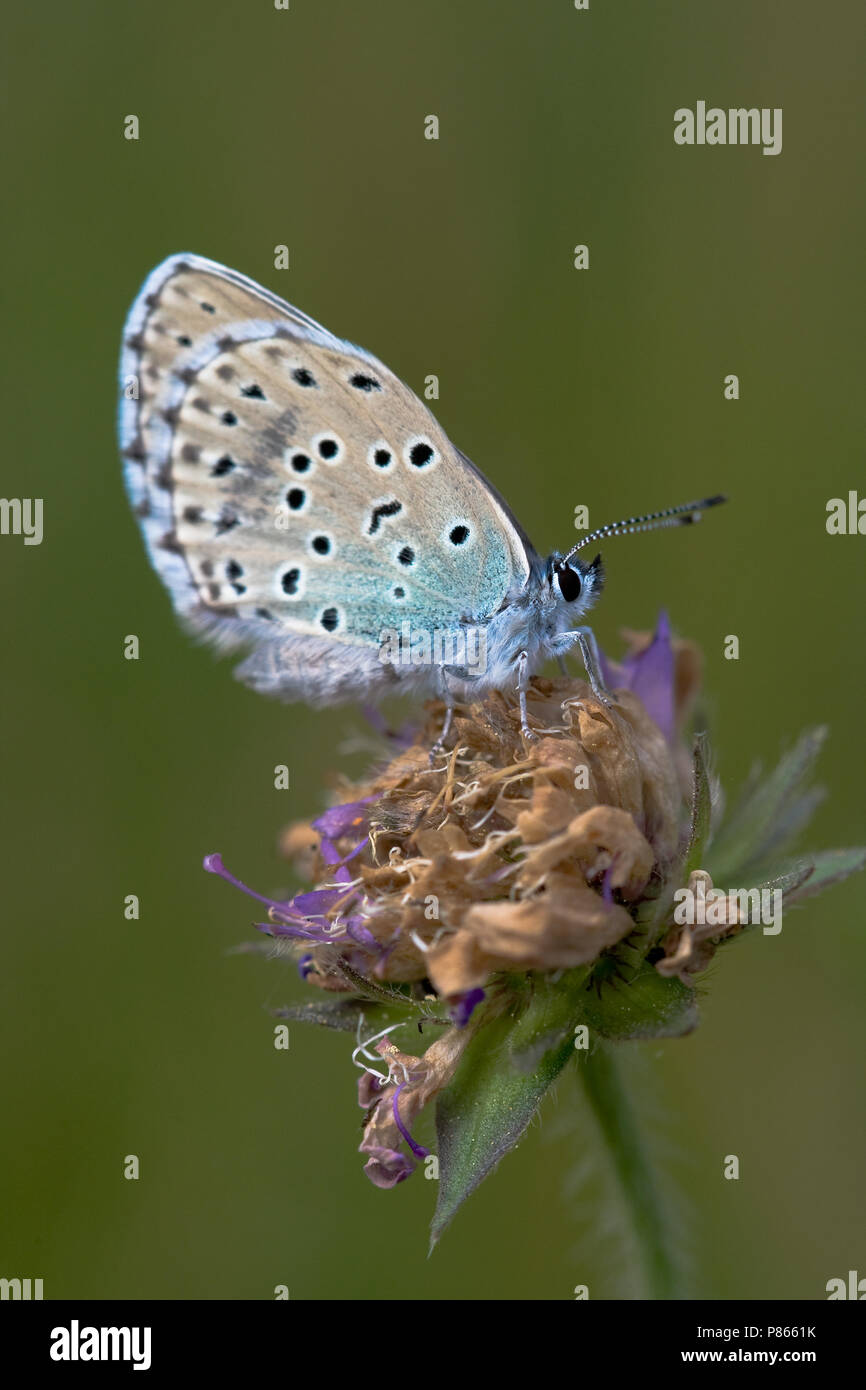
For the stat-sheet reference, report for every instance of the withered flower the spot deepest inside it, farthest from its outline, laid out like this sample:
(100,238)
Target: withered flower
(515,890)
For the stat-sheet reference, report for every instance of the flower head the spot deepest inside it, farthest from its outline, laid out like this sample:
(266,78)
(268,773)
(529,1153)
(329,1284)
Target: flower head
(511,890)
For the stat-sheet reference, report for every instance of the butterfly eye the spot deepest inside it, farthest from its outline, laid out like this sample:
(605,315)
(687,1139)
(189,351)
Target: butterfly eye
(569,583)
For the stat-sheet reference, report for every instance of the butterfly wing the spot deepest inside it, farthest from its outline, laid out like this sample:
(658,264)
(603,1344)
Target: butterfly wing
(295,496)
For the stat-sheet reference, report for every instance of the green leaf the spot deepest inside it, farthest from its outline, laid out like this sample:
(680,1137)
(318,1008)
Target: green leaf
(701,810)
(645,1006)
(340,1014)
(804,877)
(789,881)
(373,989)
(510,1063)
(654,914)
(769,816)
(815,872)
(516,1055)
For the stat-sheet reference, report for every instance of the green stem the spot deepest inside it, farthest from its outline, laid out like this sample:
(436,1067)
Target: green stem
(622,1135)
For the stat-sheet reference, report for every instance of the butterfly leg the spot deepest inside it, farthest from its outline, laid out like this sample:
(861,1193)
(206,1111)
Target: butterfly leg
(448,697)
(584,637)
(522,686)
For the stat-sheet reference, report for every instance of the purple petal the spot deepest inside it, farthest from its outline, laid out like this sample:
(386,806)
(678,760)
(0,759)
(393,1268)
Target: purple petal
(607,884)
(356,929)
(463,1006)
(370,1088)
(319,902)
(213,863)
(386,1167)
(308,932)
(375,719)
(305,916)
(418,1150)
(651,677)
(402,736)
(339,820)
(332,855)
(650,674)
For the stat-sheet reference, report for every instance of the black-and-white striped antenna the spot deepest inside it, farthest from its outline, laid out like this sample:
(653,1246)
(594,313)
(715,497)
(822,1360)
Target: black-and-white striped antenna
(685,515)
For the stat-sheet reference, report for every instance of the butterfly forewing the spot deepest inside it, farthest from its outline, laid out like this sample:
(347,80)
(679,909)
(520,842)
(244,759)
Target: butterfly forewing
(288,483)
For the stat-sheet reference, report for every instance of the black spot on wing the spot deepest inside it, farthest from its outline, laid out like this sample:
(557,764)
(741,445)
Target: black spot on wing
(362,382)
(378,514)
(420,454)
(234,573)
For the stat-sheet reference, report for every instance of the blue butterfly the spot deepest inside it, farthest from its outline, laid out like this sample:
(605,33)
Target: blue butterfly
(299,501)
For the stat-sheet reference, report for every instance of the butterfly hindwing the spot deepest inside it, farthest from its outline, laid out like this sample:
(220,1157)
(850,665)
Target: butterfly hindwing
(288,484)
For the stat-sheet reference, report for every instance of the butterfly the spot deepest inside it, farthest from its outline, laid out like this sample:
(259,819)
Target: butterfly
(300,502)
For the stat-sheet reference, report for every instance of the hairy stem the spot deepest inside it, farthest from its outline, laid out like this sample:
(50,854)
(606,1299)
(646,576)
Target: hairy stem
(631,1165)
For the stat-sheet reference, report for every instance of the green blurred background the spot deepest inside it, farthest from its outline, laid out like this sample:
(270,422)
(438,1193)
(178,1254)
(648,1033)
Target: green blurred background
(602,387)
